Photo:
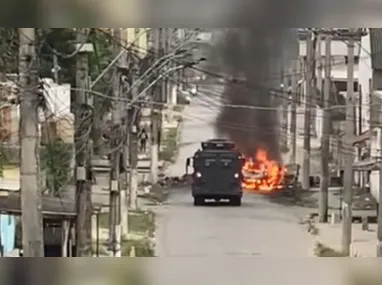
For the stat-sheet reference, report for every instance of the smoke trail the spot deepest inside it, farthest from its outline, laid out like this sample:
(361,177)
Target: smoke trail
(253,55)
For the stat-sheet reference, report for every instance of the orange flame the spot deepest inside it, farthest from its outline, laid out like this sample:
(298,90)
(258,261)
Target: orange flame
(262,174)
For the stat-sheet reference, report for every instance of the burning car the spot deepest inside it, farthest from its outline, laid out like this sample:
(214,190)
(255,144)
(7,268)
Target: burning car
(262,174)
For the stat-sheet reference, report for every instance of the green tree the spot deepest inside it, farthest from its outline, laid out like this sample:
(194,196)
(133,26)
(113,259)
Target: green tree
(9,47)
(56,159)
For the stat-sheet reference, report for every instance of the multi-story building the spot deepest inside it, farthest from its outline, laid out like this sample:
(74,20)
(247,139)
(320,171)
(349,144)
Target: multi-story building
(339,62)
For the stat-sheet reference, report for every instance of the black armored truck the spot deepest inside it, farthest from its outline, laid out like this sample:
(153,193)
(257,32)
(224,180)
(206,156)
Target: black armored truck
(217,172)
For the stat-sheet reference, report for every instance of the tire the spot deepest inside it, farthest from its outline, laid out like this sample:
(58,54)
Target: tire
(235,201)
(198,201)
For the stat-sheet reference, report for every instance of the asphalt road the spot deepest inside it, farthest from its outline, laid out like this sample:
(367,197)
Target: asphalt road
(258,228)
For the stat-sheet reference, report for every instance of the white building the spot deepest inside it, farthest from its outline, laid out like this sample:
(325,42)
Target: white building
(58,99)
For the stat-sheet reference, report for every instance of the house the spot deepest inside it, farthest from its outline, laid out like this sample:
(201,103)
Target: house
(58,99)
(374,78)
(339,79)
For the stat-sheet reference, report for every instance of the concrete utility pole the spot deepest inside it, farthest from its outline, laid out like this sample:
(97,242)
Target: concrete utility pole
(317,82)
(325,138)
(285,102)
(31,194)
(124,175)
(156,113)
(83,172)
(310,72)
(379,218)
(116,147)
(133,141)
(349,157)
(56,69)
(293,128)
(166,39)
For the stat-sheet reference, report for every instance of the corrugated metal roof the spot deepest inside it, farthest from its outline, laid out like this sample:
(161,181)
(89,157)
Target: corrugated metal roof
(376,48)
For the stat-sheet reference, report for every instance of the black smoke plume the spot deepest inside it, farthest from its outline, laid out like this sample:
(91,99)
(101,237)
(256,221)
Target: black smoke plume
(252,56)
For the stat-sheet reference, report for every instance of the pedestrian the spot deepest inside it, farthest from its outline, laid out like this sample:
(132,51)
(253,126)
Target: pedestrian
(143,140)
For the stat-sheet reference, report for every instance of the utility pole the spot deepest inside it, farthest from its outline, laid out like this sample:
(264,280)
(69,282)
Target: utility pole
(83,172)
(325,138)
(317,82)
(293,128)
(348,167)
(31,195)
(116,147)
(133,139)
(285,101)
(56,69)
(310,72)
(379,212)
(124,175)
(156,113)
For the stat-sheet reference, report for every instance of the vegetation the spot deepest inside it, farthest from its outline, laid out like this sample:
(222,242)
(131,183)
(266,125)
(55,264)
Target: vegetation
(56,159)
(143,247)
(170,145)
(178,108)
(141,228)
(157,194)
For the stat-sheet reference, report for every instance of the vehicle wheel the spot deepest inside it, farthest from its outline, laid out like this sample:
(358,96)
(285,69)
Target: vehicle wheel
(198,201)
(235,201)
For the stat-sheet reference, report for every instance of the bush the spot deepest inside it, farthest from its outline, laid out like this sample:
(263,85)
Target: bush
(143,248)
(56,160)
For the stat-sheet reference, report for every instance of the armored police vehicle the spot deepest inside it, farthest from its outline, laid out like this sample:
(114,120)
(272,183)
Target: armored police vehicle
(216,172)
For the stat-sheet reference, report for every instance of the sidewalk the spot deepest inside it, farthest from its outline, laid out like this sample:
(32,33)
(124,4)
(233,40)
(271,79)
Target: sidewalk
(363,242)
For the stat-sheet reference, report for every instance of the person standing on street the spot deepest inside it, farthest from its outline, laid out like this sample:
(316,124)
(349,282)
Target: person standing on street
(143,140)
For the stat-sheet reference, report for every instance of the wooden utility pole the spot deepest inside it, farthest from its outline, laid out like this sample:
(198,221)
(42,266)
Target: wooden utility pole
(293,121)
(31,194)
(310,72)
(83,120)
(349,156)
(116,147)
(133,140)
(156,113)
(325,137)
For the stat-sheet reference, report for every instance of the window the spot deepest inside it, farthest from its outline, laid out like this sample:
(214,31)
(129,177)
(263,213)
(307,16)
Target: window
(9,220)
